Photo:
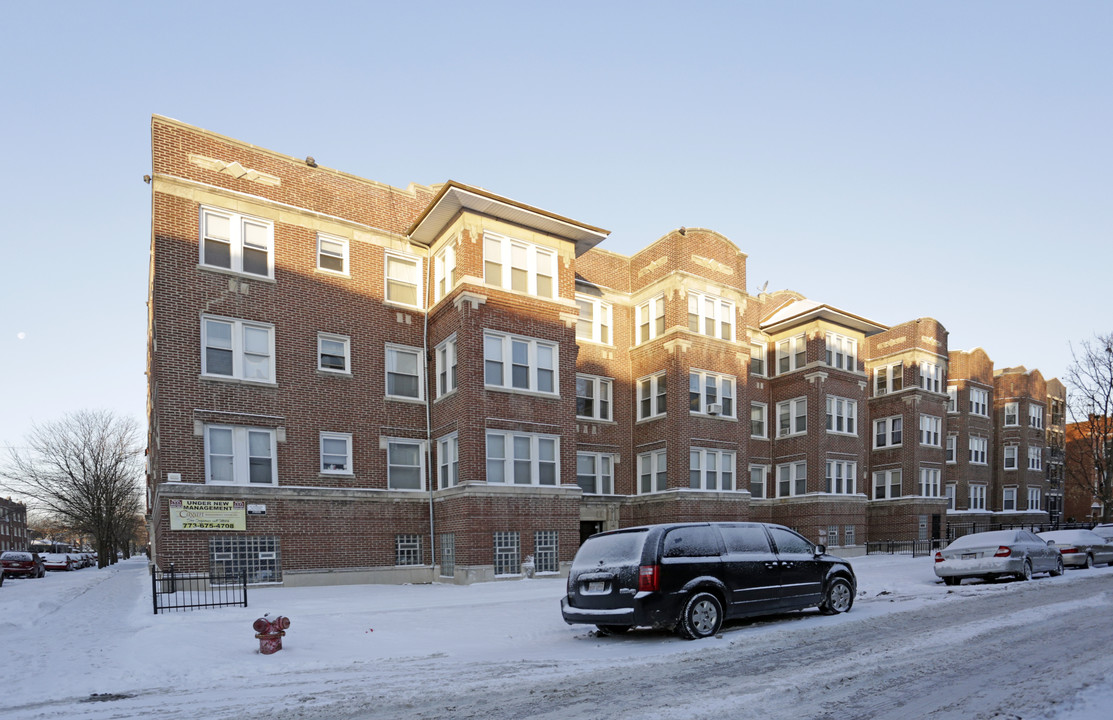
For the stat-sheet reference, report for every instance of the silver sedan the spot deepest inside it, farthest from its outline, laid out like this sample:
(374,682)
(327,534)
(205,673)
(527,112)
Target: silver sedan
(1081,548)
(998,553)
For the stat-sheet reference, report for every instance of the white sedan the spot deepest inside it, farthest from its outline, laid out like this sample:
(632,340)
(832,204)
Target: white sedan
(1081,548)
(994,554)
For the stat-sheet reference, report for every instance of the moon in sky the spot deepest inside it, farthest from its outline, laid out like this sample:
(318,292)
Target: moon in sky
(21,335)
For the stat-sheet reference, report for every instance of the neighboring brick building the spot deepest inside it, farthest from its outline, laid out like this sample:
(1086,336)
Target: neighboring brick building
(350,382)
(13,525)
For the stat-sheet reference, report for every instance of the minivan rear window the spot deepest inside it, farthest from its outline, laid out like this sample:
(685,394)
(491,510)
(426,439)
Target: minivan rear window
(614,549)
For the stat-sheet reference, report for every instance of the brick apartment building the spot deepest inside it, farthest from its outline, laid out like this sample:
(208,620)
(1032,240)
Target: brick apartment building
(13,525)
(350,382)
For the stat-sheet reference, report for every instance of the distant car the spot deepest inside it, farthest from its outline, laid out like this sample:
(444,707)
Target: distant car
(995,554)
(22,564)
(60,561)
(1106,531)
(690,576)
(1081,548)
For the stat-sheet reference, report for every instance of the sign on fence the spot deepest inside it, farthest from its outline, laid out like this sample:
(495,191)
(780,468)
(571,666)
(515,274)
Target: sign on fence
(207,514)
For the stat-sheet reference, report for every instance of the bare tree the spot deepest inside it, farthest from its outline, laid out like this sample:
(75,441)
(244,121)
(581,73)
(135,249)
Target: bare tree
(84,471)
(1089,460)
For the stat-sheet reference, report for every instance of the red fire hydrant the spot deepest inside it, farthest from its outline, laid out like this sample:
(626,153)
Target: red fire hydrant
(270,633)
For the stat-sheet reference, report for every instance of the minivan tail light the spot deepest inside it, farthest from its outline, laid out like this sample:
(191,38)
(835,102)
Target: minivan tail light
(647,578)
(1003,551)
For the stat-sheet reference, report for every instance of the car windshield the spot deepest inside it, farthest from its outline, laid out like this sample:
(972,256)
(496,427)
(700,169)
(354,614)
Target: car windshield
(611,549)
(997,537)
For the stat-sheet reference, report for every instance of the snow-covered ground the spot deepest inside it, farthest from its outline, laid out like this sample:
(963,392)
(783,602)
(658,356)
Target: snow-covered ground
(72,644)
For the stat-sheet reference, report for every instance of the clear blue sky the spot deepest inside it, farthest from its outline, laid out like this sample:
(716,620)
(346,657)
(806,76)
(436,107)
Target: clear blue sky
(898,160)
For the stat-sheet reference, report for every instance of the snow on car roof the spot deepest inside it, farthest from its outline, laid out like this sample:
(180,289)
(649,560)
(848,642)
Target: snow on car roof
(994,537)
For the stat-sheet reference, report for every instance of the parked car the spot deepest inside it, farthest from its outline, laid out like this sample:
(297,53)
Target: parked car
(59,561)
(1081,548)
(1106,531)
(22,564)
(994,554)
(691,576)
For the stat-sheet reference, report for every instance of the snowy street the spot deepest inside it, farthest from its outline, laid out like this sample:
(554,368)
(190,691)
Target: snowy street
(910,648)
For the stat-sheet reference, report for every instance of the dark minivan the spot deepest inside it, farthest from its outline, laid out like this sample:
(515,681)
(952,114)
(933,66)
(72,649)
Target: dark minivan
(692,576)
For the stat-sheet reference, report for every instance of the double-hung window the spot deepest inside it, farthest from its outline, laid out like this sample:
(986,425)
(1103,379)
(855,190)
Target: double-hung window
(929,482)
(710,469)
(1012,413)
(334,353)
(651,396)
(710,315)
(842,352)
(448,461)
(951,493)
(710,393)
(593,397)
(403,279)
(842,477)
(1034,498)
(444,270)
(977,497)
(652,472)
(757,359)
(978,446)
(952,443)
(522,458)
(887,484)
(792,417)
(332,254)
(1008,499)
(888,378)
(791,354)
(446,366)
(403,372)
(237,242)
(1035,458)
(1035,416)
(759,420)
(929,430)
(336,453)
(888,432)
(931,376)
(759,478)
(405,463)
(792,479)
(952,398)
(595,473)
(1010,457)
(520,266)
(650,319)
(240,455)
(595,321)
(979,402)
(237,349)
(842,415)
(512,362)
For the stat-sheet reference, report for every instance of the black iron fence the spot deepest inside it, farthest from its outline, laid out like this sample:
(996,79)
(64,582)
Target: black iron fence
(173,590)
(915,548)
(920,548)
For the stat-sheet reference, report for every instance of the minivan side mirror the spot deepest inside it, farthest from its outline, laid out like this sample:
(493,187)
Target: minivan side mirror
(820,550)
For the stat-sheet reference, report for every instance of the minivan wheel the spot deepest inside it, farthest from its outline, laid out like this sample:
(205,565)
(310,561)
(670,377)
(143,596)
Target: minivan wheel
(702,617)
(838,597)
(612,629)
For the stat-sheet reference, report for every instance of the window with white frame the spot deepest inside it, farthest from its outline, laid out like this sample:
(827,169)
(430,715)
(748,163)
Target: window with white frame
(1010,457)
(595,321)
(595,473)
(888,432)
(710,315)
(979,402)
(951,493)
(403,372)
(520,266)
(237,349)
(239,455)
(334,353)
(931,376)
(710,469)
(759,419)
(792,354)
(522,458)
(951,453)
(1008,499)
(650,319)
(448,554)
(519,363)
(759,479)
(842,477)
(849,535)
(757,359)
(952,398)
(403,279)
(929,482)
(887,484)
(842,352)
(792,479)
(336,453)
(446,366)
(407,549)
(888,378)
(792,417)
(1034,498)
(1035,458)
(444,270)
(508,553)
(829,536)
(448,461)
(652,472)
(593,397)
(332,254)
(651,396)
(1012,413)
(977,497)
(929,430)
(710,393)
(978,447)
(1035,416)
(546,557)
(237,242)
(404,465)
(842,415)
